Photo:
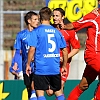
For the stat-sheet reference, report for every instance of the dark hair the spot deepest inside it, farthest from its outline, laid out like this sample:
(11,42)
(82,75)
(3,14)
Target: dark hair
(45,13)
(60,10)
(29,16)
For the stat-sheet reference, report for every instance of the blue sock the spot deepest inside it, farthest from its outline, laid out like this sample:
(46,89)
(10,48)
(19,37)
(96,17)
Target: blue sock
(41,98)
(61,97)
(33,95)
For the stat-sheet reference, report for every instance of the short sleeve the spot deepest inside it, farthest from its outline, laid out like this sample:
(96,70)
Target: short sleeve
(17,44)
(33,39)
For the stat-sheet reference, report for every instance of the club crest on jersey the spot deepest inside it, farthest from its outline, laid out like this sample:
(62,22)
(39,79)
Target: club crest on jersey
(50,30)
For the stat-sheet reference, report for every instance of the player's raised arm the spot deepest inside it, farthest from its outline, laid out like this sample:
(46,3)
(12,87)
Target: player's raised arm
(67,26)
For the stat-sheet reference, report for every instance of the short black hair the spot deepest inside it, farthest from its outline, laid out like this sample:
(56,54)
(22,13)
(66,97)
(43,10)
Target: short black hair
(60,10)
(29,16)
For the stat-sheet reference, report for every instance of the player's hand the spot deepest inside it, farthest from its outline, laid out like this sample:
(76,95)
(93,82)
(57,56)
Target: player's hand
(49,92)
(63,71)
(20,75)
(95,11)
(15,67)
(28,69)
(62,26)
(61,59)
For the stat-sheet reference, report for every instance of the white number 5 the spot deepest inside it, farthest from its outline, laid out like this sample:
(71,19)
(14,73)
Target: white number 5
(51,42)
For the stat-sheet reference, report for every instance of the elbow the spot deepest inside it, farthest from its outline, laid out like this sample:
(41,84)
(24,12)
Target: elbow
(69,26)
(77,50)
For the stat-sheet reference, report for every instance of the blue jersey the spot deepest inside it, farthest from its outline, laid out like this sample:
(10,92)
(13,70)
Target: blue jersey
(21,43)
(19,62)
(48,41)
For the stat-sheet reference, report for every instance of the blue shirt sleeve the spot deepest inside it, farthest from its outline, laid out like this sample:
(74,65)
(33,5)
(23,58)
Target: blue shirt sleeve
(12,64)
(33,39)
(18,59)
(17,44)
(17,55)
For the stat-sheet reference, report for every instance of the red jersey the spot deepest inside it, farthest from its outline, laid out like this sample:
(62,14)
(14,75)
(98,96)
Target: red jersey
(71,40)
(92,22)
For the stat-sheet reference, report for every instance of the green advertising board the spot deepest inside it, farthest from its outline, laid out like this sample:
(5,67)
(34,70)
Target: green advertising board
(15,90)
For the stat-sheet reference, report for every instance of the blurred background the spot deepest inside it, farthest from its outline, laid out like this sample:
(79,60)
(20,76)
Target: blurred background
(11,22)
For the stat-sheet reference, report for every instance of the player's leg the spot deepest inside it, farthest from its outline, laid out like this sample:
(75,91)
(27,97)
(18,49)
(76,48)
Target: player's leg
(41,84)
(88,77)
(97,92)
(49,92)
(64,78)
(27,83)
(33,93)
(55,83)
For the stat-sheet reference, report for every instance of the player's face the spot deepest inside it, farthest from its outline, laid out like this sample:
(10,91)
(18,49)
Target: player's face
(57,17)
(34,21)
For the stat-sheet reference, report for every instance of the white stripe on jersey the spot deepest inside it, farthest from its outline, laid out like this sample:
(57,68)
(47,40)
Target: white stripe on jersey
(97,29)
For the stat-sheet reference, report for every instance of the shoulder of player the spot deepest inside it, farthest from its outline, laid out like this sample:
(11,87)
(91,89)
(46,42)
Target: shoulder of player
(69,32)
(22,32)
(90,16)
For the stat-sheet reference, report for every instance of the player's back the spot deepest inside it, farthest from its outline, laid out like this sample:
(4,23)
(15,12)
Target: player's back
(48,49)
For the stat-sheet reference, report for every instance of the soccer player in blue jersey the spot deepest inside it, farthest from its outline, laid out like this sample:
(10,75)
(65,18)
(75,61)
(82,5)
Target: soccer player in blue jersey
(21,44)
(45,44)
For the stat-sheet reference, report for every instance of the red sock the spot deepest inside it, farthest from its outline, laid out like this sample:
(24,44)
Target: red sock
(75,93)
(97,95)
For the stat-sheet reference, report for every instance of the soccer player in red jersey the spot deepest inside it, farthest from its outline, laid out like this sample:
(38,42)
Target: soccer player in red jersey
(70,38)
(90,21)
(97,91)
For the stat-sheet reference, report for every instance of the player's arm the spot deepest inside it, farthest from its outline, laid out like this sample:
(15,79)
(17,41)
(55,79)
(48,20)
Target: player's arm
(32,43)
(65,58)
(64,53)
(30,58)
(17,55)
(73,52)
(17,47)
(14,65)
(13,68)
(68,26)
(75,44)
(84,22)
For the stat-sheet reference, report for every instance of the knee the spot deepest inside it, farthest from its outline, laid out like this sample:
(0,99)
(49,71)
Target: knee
(49,92)
(83,87)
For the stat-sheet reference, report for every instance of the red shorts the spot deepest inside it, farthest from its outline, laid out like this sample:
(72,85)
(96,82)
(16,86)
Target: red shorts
(93,61)
(90,73)
(64,78)
(92,69)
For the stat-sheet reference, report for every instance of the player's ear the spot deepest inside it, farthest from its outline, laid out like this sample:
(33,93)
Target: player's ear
(51,17)
(63,17)
(29,21)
